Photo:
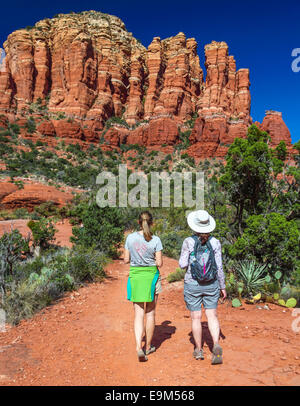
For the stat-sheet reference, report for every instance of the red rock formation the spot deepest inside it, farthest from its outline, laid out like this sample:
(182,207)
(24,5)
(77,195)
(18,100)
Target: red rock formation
(157,132)
(66,129)
(46,128)
(175,77)
(88,66)
(33,195)
(7,188)
(276,128)
(116,136)
(226,91)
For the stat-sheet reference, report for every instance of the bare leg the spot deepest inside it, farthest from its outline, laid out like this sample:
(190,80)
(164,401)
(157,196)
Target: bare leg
(139,324)
(197,329)
(150,321)
(213,324)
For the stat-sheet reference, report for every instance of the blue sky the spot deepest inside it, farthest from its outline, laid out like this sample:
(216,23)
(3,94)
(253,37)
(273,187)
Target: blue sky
(261,35)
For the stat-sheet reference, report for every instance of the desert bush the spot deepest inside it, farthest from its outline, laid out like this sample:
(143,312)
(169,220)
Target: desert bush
(39,281)
(30,125)
(178,275)
(24,300)
(12,248)
(172,243)
(102,227)
(86,264)
(269,239)
(43,232)
(21,213)
(47,209)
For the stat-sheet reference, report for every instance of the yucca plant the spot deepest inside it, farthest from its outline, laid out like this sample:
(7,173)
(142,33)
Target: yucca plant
(252,275)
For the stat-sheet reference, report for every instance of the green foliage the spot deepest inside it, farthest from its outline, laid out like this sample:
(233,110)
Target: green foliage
(30,125)
(86,264)
(291,302)
(172,243)
(281,151)
(39,281)
(12,247)
(247,177)
(102,227)
(184,141)
(191,123)
(47,209)
(19,183)
(269,239)
(236,303)
(43,232)
(252,275)
(115,120)
(178,275)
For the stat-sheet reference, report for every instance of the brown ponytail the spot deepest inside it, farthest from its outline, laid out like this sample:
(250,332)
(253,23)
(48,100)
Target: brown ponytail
(145,221)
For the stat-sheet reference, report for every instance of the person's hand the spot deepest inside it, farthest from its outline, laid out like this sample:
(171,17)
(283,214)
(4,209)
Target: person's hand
(224,294)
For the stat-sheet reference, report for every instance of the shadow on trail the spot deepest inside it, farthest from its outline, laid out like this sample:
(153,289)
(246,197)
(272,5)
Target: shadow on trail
(162,333)
(206,336)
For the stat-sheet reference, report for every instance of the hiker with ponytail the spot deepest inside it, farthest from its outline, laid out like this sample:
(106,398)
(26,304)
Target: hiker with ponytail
(143,251)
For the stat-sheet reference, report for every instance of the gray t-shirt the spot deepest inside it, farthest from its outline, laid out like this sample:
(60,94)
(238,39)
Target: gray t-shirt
(142,252)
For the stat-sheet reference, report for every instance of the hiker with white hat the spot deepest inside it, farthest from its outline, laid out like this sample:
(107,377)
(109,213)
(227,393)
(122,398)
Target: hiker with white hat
(204,279)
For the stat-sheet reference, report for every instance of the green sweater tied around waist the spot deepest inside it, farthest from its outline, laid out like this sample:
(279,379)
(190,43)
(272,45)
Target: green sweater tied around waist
(141,283)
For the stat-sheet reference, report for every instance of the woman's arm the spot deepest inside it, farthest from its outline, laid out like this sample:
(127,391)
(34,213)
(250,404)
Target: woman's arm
(184,255)
(158,258)
(126,256)
(221,276)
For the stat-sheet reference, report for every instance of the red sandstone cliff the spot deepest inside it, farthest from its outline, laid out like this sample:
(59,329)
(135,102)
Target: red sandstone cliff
(89,67)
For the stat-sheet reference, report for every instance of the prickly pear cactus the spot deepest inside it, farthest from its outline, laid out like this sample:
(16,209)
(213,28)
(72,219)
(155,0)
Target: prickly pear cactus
(291,302)
(236,303)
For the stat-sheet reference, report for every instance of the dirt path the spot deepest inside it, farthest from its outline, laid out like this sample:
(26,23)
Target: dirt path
(87,339)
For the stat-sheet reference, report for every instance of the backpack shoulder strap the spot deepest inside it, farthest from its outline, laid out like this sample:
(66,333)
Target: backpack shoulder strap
(195,238)
(212,253)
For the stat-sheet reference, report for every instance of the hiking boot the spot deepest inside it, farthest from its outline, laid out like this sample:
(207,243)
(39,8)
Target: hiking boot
(217,355)
(198,354)
(142,356)
(151,349)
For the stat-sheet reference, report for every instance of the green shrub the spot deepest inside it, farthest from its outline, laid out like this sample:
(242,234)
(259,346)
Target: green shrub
(86,264)
(172,243)
(47,209)
(21,213)
(30,125)
(24,300)
(178,275)
(43,232)
(102,227)
(12,247)
(39,281)
(269,239)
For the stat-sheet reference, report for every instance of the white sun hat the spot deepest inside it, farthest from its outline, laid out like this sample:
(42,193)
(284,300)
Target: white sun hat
(201,222)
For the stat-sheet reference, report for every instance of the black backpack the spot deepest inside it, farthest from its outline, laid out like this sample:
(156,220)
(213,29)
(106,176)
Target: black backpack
(203,263)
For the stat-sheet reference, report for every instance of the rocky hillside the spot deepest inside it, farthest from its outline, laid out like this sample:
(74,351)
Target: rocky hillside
(77,72)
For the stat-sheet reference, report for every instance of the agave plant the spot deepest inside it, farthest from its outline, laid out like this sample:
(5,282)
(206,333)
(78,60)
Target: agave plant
(252,274)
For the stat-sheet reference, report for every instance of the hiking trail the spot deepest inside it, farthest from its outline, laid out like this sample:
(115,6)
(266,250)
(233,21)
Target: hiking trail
(87,338)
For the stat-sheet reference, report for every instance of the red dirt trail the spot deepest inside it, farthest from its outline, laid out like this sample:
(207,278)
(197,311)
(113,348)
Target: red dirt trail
(87,338)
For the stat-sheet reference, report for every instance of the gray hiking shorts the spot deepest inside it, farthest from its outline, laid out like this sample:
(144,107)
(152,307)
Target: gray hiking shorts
(196,294)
